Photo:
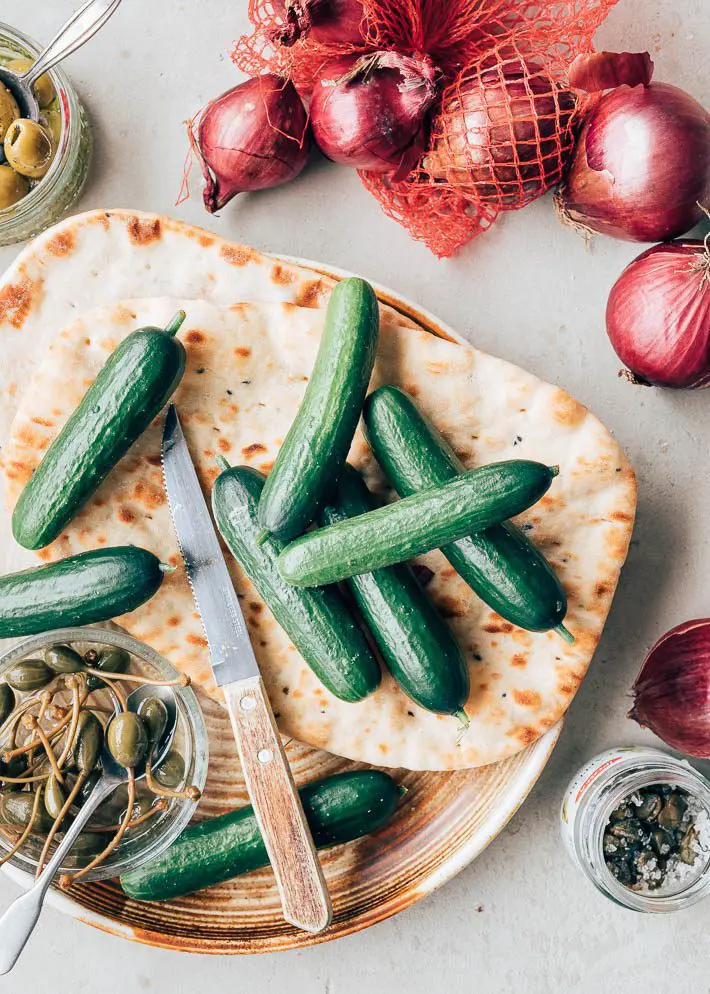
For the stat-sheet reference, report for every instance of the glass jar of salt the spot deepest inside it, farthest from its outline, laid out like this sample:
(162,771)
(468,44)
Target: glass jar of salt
(637,822)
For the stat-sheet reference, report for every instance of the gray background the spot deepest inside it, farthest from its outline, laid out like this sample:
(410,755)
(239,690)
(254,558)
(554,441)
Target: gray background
(522,917)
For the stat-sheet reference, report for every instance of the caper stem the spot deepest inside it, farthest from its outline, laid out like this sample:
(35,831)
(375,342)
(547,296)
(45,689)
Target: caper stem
(14,719)
(108,679)
(119,834)
(43,776)
(189,793)
(176,323)
(80,780)
(76,711)
(26,834)
(160,805)
(29,746)
(182,680)
(46,745)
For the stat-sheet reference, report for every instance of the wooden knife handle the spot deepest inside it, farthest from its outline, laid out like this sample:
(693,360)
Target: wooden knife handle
(277,806)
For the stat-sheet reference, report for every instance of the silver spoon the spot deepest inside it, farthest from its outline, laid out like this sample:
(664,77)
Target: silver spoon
(80,27)
(18,922)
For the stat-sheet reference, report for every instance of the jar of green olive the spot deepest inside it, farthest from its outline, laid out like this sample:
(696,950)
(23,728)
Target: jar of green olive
(637,822)
(36,196)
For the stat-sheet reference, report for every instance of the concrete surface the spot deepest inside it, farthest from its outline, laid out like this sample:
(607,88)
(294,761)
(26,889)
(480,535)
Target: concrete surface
(521,918)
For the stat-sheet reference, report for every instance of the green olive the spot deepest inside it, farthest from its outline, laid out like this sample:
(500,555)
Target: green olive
(16,809)
(63,659)
(7,702)
(88,742)
(51,120)
(13,187)
(127,739)
(29,675)
(43,89)
(54,797)
(29,149)
(9,111)
(155,718)
(112,660)
(171,772)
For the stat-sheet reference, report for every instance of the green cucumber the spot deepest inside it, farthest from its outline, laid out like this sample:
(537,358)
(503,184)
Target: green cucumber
(313,454)
(338,809)
(132,388)
(81,590)
(417,645)
(317,621)
(426,520)
(500,564)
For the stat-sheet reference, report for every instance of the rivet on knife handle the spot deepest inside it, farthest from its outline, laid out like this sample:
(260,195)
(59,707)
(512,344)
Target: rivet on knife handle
(302,886)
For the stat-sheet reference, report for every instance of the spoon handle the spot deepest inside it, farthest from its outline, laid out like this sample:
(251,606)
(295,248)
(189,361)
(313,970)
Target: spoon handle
(80,27)
(18,922)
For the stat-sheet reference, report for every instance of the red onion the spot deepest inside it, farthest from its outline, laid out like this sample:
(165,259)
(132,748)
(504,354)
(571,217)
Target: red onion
(641,166)
(328,22)
(597,71)
(672,691)
(500,134)
(253,137)
(658,316)
(370,111)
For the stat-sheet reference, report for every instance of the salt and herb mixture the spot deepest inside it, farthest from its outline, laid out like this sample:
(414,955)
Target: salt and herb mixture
(658,839)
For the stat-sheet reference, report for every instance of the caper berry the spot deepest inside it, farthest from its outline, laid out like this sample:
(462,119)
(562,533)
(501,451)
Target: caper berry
(127,739)
(673,810)
(9,110)
(155,718)
(17,767)
(13,187)
(16,809)
(88,742)
(43,89)
(87,788)
(29,675)
(111,660)
(54,797)
(7,702)
(63,659)
(171,772)
(89,844)
(29,149)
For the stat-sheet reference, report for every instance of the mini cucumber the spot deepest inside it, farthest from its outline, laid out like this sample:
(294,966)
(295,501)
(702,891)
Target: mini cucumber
(417,645)
(500,564)
(81,590)
(426,520)
(317,621)
(338,809)
(313,454)
(131,389)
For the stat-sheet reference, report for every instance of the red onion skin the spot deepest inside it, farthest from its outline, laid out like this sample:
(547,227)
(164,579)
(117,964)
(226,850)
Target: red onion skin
(255,136)
(496,127)
(328,22)
(598,71)
(658,316)
(642,165)
(672,691)
(372,122)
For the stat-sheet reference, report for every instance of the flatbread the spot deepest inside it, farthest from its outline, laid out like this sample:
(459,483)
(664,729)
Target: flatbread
(247,371)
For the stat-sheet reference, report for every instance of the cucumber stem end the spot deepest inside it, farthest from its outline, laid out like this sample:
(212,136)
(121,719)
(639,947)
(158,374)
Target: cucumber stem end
(565,634)
(464,725)
(223,464)
(262,537)
(167,568)
(175,324)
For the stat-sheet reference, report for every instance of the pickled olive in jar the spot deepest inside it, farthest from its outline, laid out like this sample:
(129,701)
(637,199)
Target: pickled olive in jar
(109,661)
(154,714)
(9,111)
(63,659)
(127,739)
(29,675)
(88,742)
(54,797)
(29,149)
(52,121)
(43,88)
(7,702)
(171,771)
(13,187)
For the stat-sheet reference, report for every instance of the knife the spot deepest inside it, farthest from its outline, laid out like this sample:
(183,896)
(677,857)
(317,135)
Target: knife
(277,806)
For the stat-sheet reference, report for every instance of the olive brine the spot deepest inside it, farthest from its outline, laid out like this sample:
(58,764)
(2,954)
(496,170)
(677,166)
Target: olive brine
(59,710)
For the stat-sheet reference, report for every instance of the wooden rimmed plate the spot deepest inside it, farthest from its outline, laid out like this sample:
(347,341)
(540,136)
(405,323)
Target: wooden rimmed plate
(443,823)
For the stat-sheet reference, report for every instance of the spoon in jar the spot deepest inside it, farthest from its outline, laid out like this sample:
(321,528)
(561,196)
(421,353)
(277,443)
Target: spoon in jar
(18,922)
(80,27)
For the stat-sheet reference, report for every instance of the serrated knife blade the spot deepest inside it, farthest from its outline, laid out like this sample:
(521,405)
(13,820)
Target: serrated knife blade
(231,652)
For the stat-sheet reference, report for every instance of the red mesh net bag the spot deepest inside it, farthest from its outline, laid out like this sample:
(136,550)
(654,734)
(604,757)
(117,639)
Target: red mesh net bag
(506,119)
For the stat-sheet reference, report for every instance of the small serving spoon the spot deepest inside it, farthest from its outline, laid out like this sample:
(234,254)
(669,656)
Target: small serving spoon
(80,27)
(18,922)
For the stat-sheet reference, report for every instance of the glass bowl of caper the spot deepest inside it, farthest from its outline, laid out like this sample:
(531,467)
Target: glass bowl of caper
(44,164)
(65,697)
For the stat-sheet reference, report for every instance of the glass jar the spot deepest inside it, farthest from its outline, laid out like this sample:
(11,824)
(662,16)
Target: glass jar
(52,196)
(599,788)
(190,739)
